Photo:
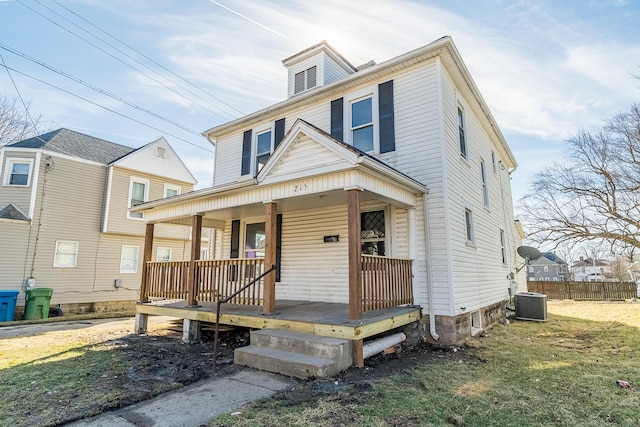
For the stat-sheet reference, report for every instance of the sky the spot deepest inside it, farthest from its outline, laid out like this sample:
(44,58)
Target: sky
(133,71)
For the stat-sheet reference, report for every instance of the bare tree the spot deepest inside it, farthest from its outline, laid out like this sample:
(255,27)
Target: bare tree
(15,122)
(593,195)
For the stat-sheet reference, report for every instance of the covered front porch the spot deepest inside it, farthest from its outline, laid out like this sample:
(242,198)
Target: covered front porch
(327,248)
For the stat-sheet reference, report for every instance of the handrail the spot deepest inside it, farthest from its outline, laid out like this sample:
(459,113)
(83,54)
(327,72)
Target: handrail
(225,300)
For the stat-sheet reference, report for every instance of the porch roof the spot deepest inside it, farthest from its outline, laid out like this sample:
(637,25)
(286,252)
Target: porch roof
(293,180)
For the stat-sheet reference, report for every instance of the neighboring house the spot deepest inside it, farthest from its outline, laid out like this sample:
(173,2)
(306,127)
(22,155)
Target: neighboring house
(64,219)
(357,172)
(548,268)
(590,270)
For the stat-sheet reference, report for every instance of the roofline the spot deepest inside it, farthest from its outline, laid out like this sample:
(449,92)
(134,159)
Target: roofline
(52,153)
(196,194)
(420,54)
(323,44)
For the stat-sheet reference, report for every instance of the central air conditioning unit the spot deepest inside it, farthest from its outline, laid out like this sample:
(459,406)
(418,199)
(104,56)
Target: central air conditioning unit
(531,306)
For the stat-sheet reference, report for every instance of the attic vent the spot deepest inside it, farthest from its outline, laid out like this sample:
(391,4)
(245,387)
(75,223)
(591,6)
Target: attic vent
(161,154)
(305,80)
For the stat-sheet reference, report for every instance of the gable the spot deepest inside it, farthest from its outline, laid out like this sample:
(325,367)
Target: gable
(157,158)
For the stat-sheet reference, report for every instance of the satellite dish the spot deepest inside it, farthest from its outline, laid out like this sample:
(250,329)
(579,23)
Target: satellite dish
(529,253)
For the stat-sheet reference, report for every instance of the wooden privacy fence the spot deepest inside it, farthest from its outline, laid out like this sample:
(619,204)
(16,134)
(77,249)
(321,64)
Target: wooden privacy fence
(585,290)
(386,282)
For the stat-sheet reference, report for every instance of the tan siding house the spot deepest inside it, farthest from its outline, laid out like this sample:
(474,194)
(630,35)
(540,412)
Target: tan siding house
(77,239)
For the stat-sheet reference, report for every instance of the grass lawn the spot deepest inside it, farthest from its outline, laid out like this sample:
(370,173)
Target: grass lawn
(561,372)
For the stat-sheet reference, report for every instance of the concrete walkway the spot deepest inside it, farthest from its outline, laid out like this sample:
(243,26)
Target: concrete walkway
(194,405)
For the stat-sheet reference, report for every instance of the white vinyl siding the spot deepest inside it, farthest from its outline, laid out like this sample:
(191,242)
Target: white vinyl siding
(66,254)
(129,259)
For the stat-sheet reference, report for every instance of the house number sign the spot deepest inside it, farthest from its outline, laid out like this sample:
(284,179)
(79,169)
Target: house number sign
(301,187)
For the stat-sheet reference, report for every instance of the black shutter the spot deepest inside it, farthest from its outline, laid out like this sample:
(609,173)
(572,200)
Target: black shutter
(337,125)
(385,105)
(246,153)
(278,134)
(235,239)
(278,245)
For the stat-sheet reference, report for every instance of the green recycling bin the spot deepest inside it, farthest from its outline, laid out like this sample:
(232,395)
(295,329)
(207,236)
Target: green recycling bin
(36,304)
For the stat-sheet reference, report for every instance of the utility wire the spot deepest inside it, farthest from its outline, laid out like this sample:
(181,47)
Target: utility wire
(97,89)
(123,62)
(105,108)
(149,58)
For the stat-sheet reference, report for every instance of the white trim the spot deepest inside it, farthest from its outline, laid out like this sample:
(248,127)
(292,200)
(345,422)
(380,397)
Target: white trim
(34,185)
(54,154)
(2,150)
(9,161)
(412,230)
(132,180)
(137,259)
(469,226)
(360,95)
(107,204)
(171,187)
(484,181)
(75,255)
(445,195)
(164,248)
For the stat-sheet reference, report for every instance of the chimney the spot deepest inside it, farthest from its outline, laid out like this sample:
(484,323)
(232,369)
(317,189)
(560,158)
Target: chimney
(581,259)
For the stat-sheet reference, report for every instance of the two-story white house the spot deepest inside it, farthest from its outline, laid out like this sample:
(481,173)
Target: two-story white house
(374,189)
(65,223)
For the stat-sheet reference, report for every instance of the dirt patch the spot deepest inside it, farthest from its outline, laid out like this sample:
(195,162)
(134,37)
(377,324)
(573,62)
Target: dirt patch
(114,368)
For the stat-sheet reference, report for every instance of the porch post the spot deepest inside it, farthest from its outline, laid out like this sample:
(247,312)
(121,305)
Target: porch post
(196,241)
(146,256)
(270,218)
(413,251)
(355,263)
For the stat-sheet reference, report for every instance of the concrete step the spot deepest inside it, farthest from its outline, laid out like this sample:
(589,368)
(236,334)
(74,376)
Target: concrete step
(285,362)
(336,349)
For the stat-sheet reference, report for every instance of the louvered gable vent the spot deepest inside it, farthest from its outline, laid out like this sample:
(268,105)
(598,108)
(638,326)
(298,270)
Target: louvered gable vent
(305,80)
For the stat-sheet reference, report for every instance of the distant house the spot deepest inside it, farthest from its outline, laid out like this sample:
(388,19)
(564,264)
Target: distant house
(590,270)
(372,189)
(548,268)
(64,218)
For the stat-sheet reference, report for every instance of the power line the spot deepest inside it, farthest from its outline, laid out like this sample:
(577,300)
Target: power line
(105,108)
(97,89)
(123,62)
(148,58)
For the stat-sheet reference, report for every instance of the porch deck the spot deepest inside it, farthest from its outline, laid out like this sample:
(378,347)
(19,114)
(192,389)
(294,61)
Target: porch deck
(319,318)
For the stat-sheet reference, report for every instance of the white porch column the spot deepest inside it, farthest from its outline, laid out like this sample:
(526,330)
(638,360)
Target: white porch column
(412,230)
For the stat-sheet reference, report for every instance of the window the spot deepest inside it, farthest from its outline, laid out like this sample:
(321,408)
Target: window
(161,153)
(485,188)
(255,239)
(305,80)
(468,221)
(362,124)
(372,233)
(494,164)
(546,268)
(171,190)
(163,254)
(129,259)
(263,149)
(463,141)
(18,172)
(503,250)
(531,269)
(138,193)
(66,254)
(204,253)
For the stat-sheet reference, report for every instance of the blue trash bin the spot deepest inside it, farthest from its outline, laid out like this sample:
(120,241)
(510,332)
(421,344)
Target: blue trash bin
(8,305)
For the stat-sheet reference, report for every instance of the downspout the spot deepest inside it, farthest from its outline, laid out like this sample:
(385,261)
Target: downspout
(431,298)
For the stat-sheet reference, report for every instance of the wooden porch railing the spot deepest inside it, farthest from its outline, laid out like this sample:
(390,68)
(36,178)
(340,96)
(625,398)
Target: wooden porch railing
(215,279)
(594,291)
(386,282)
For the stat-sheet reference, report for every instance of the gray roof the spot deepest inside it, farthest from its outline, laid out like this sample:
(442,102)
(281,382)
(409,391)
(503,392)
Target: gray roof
(76,144)
(11,211)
